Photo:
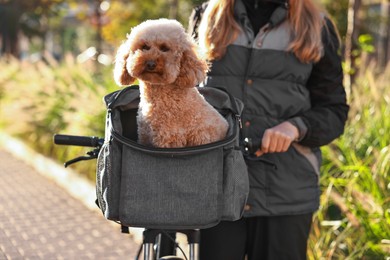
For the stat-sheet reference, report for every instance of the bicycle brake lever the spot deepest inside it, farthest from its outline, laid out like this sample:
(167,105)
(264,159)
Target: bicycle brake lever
(94,153)
(75,160)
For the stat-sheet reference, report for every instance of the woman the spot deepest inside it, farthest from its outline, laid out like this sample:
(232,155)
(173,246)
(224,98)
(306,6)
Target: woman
(281,59)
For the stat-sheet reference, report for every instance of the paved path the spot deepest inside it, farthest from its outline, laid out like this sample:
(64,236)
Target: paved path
(39,220)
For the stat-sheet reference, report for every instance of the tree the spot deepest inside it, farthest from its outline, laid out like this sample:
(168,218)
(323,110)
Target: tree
(9,27)
(351,38)
(123,15)
(338,11)
(34,14)
(383,34)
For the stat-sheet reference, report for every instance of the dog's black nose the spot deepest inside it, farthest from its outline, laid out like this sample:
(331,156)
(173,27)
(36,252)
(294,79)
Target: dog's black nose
(150,65)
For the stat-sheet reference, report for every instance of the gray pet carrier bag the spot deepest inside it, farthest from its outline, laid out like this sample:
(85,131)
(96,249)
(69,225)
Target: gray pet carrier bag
(170,188)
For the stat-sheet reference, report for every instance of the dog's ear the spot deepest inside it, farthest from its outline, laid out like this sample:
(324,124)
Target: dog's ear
(121,75)
(193,69)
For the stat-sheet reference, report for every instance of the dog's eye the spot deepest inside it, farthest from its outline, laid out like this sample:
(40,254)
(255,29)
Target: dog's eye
(145,47)
(164,48)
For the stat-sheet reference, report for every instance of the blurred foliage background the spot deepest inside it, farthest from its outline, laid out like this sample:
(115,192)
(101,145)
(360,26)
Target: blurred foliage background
(56,66)
(61,26)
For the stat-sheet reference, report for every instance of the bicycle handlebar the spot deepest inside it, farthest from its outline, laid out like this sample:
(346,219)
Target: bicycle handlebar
(88,141)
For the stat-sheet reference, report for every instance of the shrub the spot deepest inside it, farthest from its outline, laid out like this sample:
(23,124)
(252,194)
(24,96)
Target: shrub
(41,99)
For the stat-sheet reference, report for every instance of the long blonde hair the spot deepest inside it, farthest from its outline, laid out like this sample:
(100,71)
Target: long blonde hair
(218,29)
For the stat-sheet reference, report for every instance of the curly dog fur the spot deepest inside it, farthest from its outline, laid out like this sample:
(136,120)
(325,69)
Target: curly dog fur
(172,113)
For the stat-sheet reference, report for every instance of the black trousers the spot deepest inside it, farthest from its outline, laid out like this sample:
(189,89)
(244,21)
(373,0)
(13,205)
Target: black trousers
(258,238)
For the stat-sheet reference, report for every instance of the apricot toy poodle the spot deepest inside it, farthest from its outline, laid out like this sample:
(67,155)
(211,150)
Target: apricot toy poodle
(172,113)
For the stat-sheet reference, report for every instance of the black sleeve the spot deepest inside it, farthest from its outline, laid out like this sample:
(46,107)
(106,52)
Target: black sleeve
(326,119)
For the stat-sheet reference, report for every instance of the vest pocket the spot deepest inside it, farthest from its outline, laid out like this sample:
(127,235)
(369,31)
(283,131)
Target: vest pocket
(294,184)
(313,157)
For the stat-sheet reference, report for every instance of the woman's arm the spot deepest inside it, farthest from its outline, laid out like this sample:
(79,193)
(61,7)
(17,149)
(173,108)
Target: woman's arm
(326,119)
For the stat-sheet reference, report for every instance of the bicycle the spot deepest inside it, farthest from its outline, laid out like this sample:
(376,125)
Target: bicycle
(157,243)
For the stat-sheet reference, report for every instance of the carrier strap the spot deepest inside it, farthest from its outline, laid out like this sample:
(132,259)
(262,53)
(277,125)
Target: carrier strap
(233,100)
(111,98)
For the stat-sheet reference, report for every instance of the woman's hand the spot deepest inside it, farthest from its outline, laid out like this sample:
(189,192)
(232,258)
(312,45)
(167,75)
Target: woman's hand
(278,138)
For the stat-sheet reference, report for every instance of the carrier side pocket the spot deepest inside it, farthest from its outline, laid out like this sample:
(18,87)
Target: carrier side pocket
(235,185)
(108,180)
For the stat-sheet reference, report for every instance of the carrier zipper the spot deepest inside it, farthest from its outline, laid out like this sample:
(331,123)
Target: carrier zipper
(175,151)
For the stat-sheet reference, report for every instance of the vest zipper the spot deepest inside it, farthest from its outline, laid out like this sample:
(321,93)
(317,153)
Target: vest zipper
(262,34)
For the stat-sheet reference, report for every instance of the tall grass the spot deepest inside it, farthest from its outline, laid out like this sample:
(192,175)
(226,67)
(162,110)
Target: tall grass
(38,100)
(354,219)
(44,98)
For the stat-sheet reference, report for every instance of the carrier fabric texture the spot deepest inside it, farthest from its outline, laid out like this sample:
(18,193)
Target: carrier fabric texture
(175,188)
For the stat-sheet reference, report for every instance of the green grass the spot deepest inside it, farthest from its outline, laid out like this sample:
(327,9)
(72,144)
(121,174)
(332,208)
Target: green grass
(39,100)
(354,219)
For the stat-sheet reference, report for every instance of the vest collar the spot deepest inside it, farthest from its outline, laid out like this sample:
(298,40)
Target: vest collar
(277,17)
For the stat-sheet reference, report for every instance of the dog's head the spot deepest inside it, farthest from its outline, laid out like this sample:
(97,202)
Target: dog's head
(159,52)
